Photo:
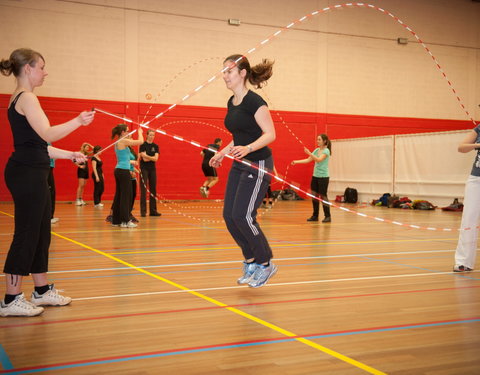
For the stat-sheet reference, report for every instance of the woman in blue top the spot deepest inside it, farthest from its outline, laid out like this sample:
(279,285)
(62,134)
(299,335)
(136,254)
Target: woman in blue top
(467,241)
(252,128)
(321,177)
(122,202)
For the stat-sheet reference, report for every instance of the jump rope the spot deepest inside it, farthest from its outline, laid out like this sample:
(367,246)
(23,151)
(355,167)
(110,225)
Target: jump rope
(252,165)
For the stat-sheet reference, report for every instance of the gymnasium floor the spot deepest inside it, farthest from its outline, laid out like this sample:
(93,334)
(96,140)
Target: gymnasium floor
(350,297)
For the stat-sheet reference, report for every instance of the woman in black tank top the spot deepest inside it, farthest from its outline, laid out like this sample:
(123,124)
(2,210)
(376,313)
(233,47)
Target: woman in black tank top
(26,175)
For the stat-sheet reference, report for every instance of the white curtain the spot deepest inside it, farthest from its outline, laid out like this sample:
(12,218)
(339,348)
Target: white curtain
(420,166)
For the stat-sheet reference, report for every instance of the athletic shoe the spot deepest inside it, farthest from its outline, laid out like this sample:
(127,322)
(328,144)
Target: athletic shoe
(462,269)
(79,202)
(262,274)
(54,220)
(248,271)
(133,219)
(98,205)
(313,218)
(327,220)
(19,307)
(155,214)
(130,224)
(49,298)
(83,202)
(203,191)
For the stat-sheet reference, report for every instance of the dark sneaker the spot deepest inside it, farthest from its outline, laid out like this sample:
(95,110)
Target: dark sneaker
(327,220)
(313,218)
(462,269)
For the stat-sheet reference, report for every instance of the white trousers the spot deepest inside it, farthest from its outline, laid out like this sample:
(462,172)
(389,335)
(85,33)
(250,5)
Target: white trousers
(467,240)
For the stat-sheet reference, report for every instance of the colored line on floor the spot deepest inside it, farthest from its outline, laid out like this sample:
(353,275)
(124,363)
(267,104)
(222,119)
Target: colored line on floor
(43,322)
(164,353)
(264,323)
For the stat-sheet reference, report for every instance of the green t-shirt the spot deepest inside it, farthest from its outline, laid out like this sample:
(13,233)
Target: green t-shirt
(321,169)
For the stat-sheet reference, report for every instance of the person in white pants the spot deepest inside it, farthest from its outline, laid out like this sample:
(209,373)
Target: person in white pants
(467,241)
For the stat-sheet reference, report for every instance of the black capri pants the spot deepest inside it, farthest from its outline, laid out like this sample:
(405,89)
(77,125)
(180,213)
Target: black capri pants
(31,240)
(319,187)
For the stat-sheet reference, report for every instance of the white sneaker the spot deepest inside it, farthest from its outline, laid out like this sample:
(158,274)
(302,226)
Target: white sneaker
(99,205)
(79,202)
(130,224)
(83,202)
(19,307)
(50,298)
(54,220)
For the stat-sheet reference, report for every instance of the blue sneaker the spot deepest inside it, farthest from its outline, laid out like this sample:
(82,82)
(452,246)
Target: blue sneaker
(248,271)
(262,275)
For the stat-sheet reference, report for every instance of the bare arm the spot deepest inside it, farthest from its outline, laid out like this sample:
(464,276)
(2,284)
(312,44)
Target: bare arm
(29,106)
(468,144)
(216,160)
(57,153)
(302,161)
(125,142)
(316,159)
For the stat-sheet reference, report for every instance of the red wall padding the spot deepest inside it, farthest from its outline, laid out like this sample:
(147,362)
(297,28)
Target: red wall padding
(179,166)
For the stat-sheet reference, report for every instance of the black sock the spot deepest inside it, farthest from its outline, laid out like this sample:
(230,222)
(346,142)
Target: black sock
(10,298)
(42,289)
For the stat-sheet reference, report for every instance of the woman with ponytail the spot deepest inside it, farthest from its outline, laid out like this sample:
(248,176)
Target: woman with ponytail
(26,177)
(252,128)
(122,202)
(321,177)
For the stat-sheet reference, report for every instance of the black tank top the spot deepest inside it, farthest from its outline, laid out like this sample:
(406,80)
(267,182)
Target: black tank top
(29,147)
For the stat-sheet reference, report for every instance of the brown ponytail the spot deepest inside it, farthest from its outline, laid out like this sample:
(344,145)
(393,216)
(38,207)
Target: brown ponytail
(256,75)
(117,130)
(18,59)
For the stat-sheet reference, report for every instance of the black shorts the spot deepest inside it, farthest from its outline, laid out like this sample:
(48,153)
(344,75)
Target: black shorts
(209,171)
(82,173)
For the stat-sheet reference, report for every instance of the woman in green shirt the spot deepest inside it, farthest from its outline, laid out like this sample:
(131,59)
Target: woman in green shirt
(321,177)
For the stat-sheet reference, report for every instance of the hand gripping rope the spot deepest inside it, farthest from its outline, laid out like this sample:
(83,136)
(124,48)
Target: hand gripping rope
(261,44)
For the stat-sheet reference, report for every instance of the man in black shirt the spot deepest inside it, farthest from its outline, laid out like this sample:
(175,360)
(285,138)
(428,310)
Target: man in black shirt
(209,172)
(149,152)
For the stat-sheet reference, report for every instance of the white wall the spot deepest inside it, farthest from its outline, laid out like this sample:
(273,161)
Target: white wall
(345,61)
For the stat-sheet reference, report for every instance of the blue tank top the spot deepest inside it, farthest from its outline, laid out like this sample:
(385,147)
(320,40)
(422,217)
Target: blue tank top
(29,148)
(123,158)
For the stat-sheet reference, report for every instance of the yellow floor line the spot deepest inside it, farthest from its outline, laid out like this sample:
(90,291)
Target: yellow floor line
(312,344)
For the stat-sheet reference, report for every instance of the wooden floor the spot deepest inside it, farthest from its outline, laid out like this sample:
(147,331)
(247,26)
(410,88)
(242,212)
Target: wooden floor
(350,297)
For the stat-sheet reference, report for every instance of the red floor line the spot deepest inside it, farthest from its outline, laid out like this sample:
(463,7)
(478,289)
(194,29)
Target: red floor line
(238,305)
(282,338)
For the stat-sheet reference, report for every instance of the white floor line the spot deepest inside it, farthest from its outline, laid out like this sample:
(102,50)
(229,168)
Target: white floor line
(239,261)
(273,285)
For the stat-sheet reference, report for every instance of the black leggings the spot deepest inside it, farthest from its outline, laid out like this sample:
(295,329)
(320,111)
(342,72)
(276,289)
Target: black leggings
(319,187)
(246,188)
(98,189)
(148,178)
(122,202)
(51,186)
(31,240)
